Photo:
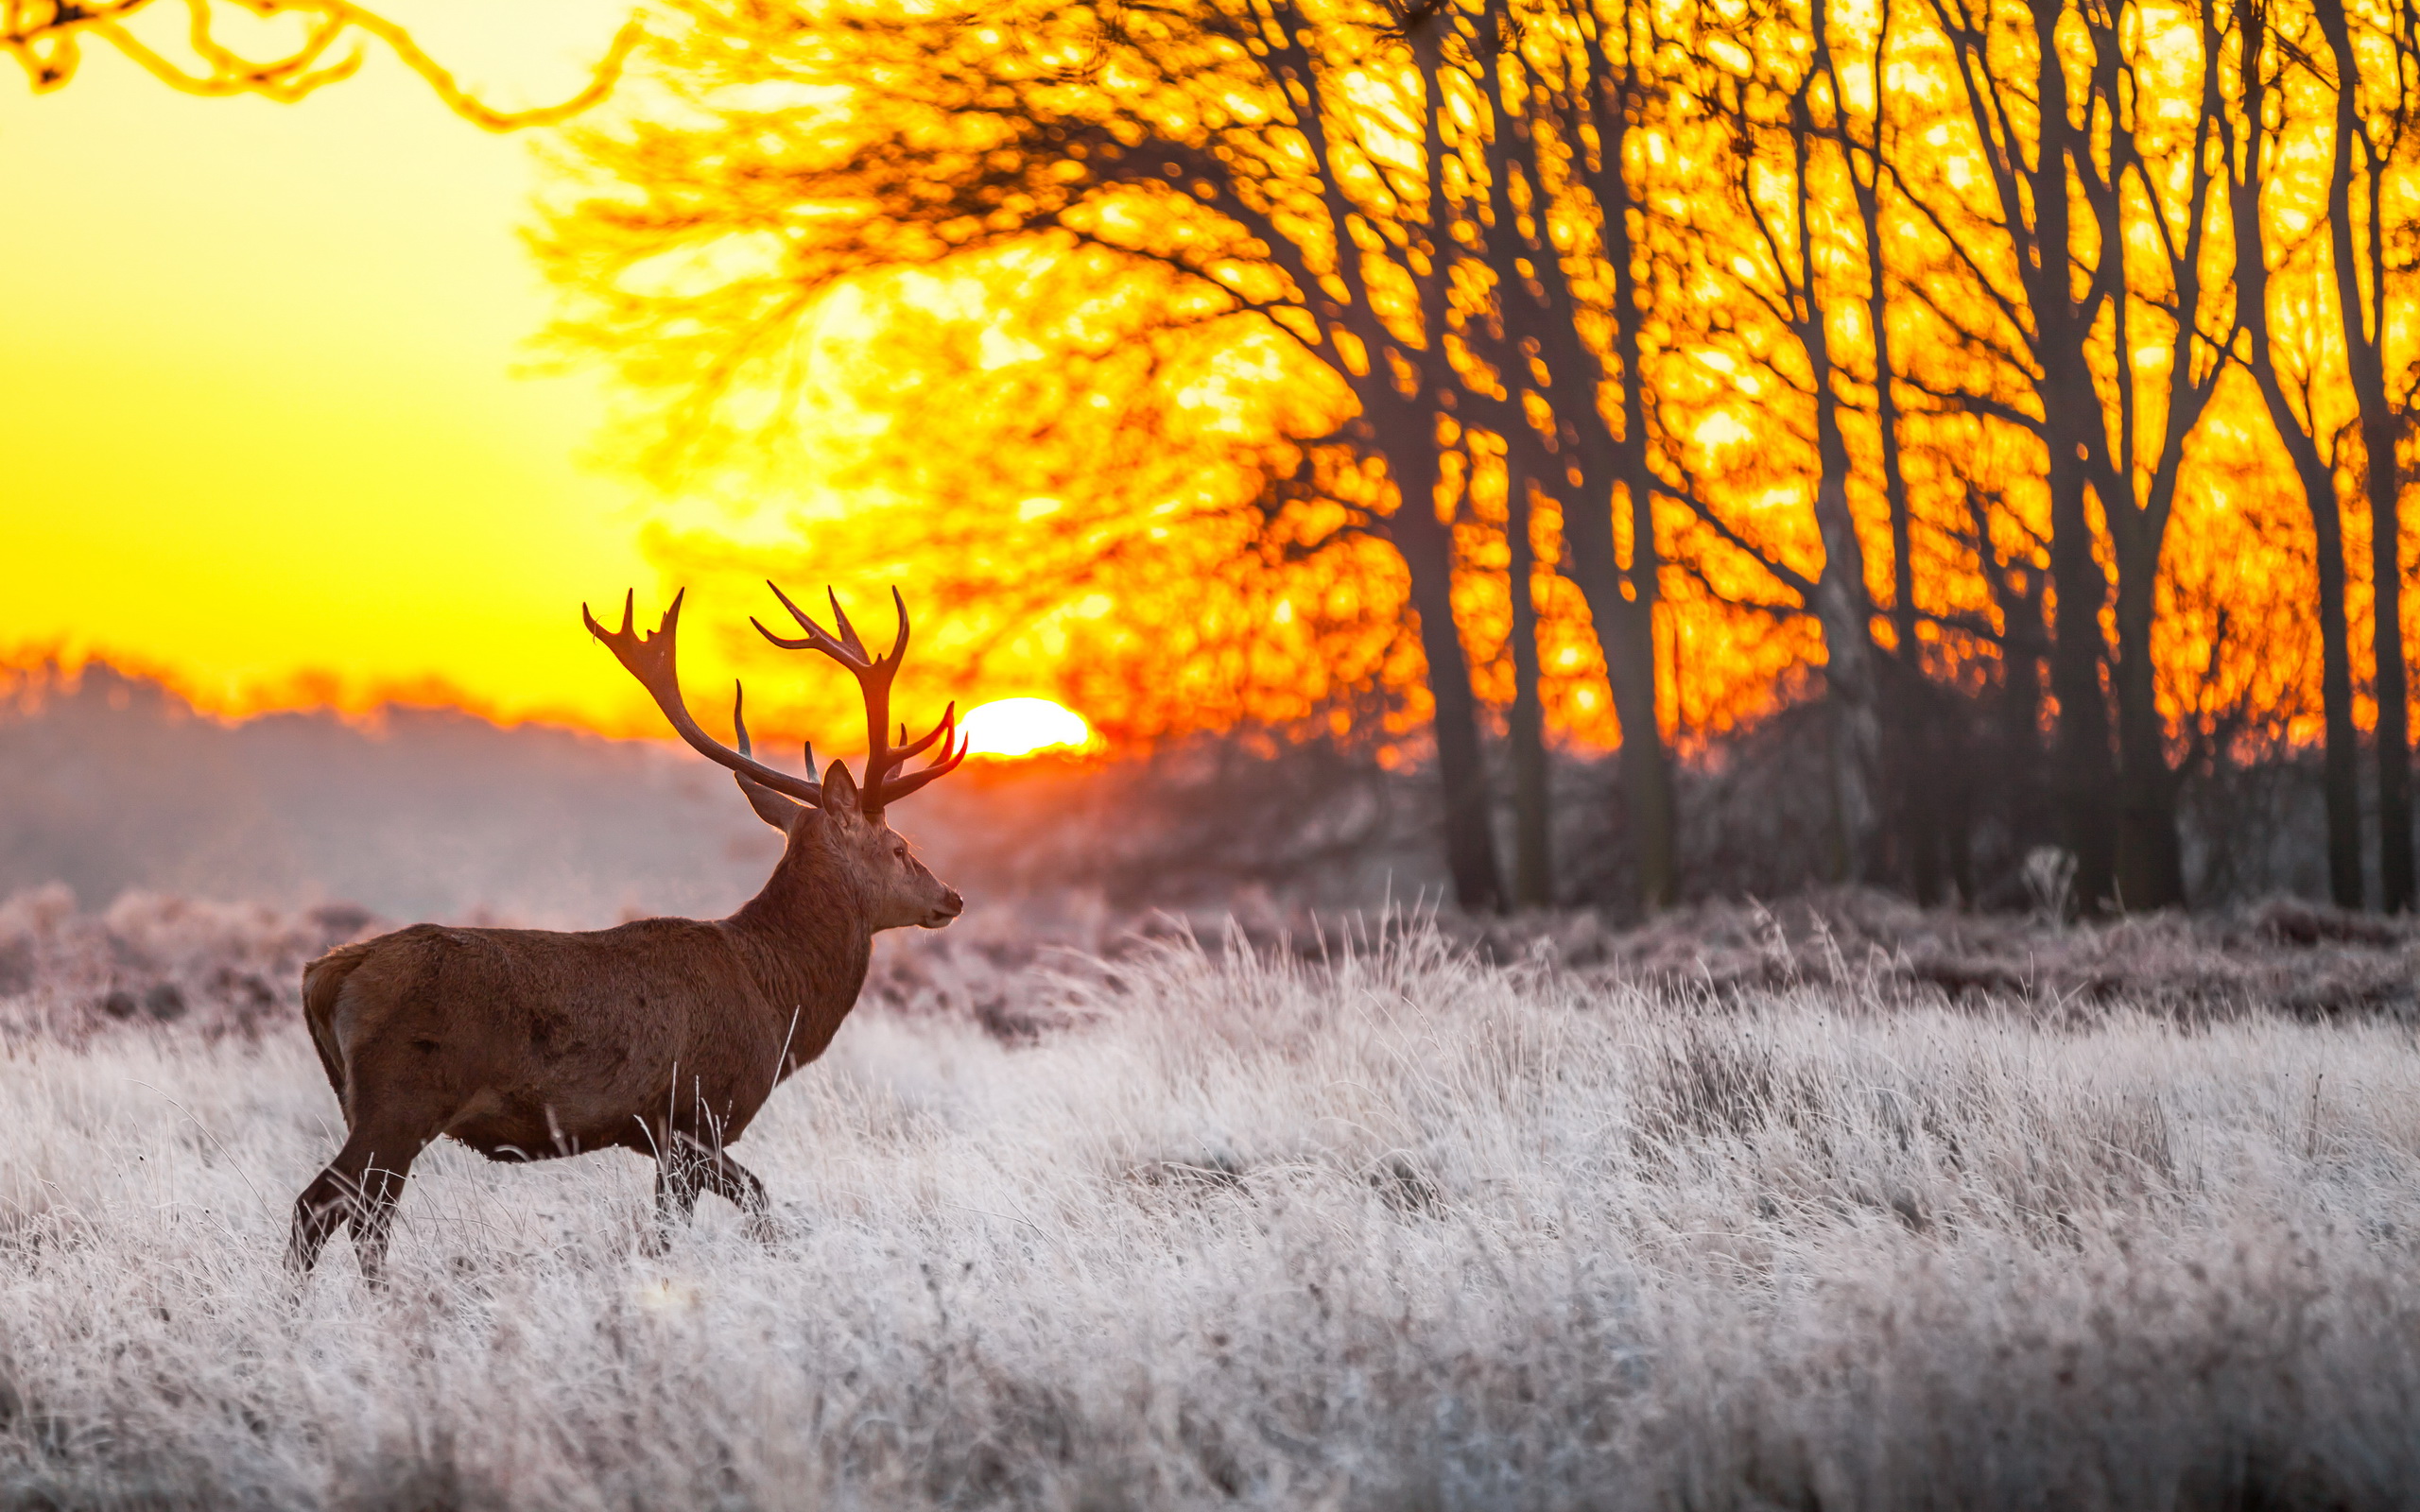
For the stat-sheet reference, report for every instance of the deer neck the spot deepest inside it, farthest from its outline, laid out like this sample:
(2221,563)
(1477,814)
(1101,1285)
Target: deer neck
(805,936)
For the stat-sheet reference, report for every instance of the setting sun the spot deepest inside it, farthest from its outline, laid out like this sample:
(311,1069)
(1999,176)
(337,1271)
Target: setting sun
(1009,727)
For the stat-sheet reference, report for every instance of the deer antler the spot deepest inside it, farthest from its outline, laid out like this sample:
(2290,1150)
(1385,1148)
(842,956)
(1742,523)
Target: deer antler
(883,783)
(651,658)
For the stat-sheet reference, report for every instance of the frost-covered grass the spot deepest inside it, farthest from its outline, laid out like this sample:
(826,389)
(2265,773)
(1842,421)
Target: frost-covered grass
(1397,1228)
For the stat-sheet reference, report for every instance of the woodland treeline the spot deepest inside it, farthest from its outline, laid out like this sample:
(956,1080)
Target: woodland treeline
(2027,381)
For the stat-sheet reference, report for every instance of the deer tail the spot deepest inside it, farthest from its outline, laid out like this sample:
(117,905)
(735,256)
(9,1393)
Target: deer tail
(323,980)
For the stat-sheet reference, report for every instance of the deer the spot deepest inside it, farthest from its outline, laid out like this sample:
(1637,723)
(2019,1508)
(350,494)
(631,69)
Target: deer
(661,1036)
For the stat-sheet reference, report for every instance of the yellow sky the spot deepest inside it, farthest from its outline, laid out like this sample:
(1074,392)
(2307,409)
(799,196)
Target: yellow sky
(258,411)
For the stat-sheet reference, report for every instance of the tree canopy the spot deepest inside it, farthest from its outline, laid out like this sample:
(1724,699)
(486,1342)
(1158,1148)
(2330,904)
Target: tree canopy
(2020,375)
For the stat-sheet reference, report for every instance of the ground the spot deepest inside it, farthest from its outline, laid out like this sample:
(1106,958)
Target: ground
(1407,1216)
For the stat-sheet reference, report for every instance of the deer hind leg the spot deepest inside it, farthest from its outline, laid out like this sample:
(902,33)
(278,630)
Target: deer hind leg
(322,1205)
(359,1187)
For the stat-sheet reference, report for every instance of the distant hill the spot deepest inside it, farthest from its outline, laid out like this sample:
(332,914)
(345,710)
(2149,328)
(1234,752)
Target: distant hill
(109,783)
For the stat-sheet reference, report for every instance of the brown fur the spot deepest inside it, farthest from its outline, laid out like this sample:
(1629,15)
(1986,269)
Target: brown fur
(662,1036)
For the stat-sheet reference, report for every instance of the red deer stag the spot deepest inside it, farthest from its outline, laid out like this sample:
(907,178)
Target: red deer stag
(664,1036)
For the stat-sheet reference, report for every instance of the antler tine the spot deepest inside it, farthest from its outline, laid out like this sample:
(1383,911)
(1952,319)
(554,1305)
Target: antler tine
(873,678)
(899,644)
(847,653)
(893,792)
(884,760)
(652,659)
(943,731)
(771,806)
(848,631)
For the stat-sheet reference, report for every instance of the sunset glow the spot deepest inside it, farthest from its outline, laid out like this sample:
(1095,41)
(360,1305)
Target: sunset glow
(267,431)
(312,455)
(1011,728)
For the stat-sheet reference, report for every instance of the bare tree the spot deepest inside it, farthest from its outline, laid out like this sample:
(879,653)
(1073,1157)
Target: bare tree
(1785,161)
(2377,127)
(2257,131)
(2050,91)
(1563,88)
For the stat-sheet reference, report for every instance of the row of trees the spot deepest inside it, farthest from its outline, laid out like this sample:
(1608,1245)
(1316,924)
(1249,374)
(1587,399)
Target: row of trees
(2036,373)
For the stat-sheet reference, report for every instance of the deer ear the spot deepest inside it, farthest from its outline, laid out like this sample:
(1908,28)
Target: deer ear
(839,788)
(771,806)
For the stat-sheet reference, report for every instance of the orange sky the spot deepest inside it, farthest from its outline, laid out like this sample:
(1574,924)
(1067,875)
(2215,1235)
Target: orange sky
(257,394)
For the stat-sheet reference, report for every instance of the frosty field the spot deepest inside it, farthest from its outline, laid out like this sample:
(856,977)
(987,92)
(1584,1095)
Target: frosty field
(1383,1225)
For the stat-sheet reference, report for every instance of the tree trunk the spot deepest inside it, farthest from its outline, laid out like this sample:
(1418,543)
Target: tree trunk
(1532,861)
(1917,816)
(2083,778)
(2395,880)
(1625,622)
(1845,612)
(2361,312)
(1911,724)
(2341,780)
(1841,607)
(2025,645)
(1428,547)
(2150,871)
(2341,773)
(2150,867)
(1841,604)
(1626,619)
(2082,782)
(1597,465)
(1646,771)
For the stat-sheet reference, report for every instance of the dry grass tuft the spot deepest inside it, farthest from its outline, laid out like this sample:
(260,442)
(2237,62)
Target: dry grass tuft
(2303,960)
(1387,1226)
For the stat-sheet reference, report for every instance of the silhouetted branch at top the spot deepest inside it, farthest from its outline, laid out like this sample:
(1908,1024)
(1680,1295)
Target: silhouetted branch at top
(47,36)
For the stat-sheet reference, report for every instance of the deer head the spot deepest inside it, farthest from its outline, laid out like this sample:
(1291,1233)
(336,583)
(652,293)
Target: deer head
(841,819)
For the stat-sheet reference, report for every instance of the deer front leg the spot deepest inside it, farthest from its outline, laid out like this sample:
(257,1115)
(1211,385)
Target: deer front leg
(677,1183)
(737,1185)
(683,1169)
(373,1216)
